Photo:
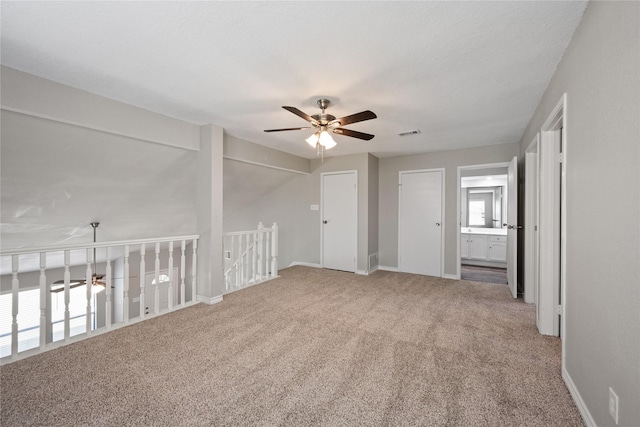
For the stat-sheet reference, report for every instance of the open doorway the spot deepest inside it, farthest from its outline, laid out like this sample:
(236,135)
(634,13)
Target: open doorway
(483,208)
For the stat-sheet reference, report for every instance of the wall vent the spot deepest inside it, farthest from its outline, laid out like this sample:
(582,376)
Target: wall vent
(409,132)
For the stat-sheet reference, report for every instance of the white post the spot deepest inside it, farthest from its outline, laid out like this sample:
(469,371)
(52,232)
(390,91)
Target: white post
(274,251)
(89,286)
(156,288)
(194,264)
(260,250)
(183,246)
(268,256)
(245,264)
(43,300)
(142,280)
(15,286)
(171,287)
(125,296)
(107,290)
(254,261)
(236,259)
(67,296)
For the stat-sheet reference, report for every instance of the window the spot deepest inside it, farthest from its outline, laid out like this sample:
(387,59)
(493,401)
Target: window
(77,312)
(28,321)
(476,213)
(162,278)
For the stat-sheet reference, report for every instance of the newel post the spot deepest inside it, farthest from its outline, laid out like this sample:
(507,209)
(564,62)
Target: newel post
(274,251)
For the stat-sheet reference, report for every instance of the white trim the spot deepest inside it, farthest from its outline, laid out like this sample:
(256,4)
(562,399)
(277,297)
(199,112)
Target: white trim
(451,276)
(362,272)
(60,248)
(549,253)
(387,268)
(236,159)
(459,220)
(209,300)
(577,399)
(530,246)
(305,264)
(322,175)
(443,177)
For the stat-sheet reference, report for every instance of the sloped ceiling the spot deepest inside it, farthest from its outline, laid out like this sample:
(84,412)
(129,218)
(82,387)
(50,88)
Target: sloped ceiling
(464,73)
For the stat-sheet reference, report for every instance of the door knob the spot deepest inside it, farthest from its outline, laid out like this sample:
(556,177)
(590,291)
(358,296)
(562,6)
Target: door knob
(438,224)
(325,221)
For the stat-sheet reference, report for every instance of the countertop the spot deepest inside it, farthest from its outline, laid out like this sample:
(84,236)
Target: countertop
(485,231)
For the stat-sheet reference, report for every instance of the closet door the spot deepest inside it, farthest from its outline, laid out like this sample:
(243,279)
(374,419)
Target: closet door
(420,224)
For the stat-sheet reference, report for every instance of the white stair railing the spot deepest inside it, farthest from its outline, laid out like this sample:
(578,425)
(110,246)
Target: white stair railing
(29,322)
(250,257)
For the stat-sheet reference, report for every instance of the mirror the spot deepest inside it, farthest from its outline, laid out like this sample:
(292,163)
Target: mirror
(483,201)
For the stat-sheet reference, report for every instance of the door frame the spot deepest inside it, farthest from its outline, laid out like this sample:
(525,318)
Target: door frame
(550,266)
(459,219)
(531,225)
(442,211)
(322,175)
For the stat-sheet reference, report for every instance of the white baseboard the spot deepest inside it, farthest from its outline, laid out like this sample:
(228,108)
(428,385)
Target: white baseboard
(582,407)
(362,272)
(451,276)
(374,269)
(385,268)
(209,300)
(305,264)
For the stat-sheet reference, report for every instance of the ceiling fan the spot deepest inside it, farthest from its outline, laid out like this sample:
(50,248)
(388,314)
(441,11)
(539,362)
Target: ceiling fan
(97,283)
(324,123)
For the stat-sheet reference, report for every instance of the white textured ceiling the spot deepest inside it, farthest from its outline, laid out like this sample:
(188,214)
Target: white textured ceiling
(463,73)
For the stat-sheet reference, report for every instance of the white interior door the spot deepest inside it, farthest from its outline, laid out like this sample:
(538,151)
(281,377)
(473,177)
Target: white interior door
(339,220)
(512,227)
(420,222)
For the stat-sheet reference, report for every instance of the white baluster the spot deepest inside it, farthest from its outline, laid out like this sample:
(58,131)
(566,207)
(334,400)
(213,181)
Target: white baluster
(142,280)
(268,256)
(156,288)
(107,290)
(254,256)
(171,288)
(15,286)
(260,250)
(194,265)
(235,260)
(89,286)
(67,296)
(183,246)
(43,300)
(125,296)
(274,251)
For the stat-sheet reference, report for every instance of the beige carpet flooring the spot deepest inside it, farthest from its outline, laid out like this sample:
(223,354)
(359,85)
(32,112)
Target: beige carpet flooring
(314,347)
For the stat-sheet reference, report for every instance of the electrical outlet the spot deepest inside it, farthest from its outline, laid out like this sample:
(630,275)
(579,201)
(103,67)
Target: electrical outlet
(227,254)
(613,405)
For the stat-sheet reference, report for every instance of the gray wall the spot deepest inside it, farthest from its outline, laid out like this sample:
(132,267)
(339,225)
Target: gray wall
(374,190)
(450,160)
(600,73)
(254,193)
(69,157)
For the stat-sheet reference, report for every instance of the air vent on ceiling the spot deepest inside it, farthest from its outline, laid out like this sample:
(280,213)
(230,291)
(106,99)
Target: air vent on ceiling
(409,132)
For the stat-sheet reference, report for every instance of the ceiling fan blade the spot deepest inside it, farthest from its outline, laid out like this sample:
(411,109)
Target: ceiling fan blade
(58,285)
(355,118)
(353,133)
(302,114)
(71,282)
(280,130)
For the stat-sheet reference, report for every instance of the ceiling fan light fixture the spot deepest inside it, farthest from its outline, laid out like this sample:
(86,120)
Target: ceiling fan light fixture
(313,140)
(326,141)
